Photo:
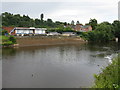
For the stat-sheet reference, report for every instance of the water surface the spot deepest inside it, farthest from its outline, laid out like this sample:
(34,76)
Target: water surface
(55,66)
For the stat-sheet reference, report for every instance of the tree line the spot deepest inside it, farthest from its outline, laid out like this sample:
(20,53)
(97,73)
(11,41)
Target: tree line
(17,20)
(101,32)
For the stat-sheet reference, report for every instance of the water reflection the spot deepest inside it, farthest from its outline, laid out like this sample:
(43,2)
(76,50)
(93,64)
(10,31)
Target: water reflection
(57,66)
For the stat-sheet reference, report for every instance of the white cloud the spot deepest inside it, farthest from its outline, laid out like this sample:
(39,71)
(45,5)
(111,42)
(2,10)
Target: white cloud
(108,1)
(67,10)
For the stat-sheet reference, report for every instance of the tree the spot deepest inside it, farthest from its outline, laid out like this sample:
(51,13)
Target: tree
(4,32)
(116,26)
(93,23)
(49,23)
(72,22)
(103,33)
(7,19)
(42,16)
(68,29)
(105,30)
(65,23)
(37,22)
(77,22)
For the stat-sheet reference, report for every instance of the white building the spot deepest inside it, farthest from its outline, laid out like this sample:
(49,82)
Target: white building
(53,33)
(27,31)
(22,30)
(40,30)
(68,34)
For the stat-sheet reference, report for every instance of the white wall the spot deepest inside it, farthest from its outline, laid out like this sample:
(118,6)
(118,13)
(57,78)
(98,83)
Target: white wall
(24,31)
(39,31)
(29,31)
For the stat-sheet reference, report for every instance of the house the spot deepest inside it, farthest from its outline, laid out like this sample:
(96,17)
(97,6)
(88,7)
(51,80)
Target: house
(68,34)
(82,28)
(25,30)
(78,27)
(40,30)
(53,33)
(86,28)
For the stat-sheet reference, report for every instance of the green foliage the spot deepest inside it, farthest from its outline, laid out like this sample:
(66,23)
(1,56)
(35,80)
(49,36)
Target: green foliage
(116,26)
(8,40)
(4,32)
(109,78)
(104,32)
(93,23)
(60,29)
(12,38)
(84,35)
(7,43)
(42,16)
(17,20)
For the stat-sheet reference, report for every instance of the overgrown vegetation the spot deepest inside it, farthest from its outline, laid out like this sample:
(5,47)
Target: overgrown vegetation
(103,32)
(8,40)
(17,20)
(60,30)
(109,78)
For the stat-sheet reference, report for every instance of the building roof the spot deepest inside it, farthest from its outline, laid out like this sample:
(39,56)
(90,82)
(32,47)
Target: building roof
(8,29)
(86,26)
(24,28)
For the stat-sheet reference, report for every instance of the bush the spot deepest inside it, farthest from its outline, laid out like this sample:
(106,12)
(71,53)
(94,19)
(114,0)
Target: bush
(7,43)
(8,40)
(109,78)
(12,38)
(4,32)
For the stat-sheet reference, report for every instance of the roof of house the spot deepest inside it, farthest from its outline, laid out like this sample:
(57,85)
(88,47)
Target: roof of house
(24,28)
(8,29)
(86,26)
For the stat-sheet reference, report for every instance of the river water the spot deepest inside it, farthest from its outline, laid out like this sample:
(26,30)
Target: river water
(54,66)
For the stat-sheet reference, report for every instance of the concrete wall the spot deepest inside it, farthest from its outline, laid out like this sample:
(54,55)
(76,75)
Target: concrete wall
(38,40)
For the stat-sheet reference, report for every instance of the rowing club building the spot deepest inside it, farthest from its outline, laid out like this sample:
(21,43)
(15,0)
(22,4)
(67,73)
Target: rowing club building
(21,31)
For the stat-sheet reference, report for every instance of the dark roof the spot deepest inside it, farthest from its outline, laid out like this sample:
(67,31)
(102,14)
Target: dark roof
(86,26)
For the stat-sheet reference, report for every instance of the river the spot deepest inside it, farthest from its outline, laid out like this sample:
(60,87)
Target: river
(54,66)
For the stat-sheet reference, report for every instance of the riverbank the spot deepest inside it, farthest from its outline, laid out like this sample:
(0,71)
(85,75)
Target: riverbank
(109,78)
(46,40)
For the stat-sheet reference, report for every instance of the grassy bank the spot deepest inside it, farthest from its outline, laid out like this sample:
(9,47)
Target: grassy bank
(109,78)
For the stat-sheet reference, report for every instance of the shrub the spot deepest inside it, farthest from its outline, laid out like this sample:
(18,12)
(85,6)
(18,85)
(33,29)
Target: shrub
(4,32)
(109,78)
(12,38)
(8,40)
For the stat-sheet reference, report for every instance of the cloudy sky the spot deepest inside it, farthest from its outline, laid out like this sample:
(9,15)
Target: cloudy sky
(65,10)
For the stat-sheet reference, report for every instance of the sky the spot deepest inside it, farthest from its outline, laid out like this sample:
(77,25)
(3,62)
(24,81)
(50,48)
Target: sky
(65,10)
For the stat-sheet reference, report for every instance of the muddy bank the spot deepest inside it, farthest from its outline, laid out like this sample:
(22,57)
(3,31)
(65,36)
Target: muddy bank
(42,40)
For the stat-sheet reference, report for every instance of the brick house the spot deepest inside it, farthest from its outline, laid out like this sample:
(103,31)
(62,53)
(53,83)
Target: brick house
(80,27)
